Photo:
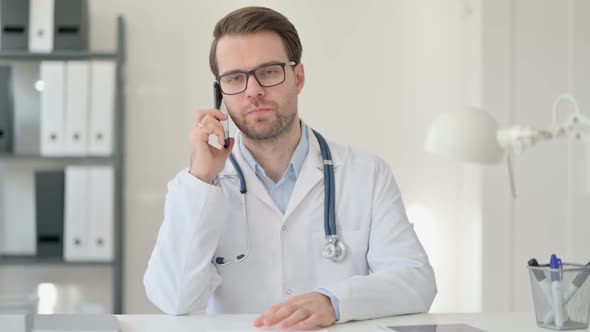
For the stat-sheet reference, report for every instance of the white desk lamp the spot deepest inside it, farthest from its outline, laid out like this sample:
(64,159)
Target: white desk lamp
(473,135)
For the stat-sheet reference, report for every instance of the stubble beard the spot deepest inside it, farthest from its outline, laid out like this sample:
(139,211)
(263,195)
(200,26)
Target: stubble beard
(267,128)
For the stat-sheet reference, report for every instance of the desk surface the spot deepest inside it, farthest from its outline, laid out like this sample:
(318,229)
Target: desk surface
(492,322)
(501,322)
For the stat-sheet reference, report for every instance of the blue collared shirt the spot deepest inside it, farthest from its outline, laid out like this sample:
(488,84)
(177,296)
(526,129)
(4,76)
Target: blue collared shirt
(281,191)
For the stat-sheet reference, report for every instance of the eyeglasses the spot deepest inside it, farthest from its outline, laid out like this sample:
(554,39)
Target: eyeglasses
(266,76)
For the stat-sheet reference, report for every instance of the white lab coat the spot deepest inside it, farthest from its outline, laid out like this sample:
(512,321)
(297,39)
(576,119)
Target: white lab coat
(385,271)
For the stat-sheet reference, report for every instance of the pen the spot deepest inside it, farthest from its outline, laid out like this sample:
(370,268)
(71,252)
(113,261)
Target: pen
(545,287)
(571,290)
(541,280)
(558,312)
(577,283)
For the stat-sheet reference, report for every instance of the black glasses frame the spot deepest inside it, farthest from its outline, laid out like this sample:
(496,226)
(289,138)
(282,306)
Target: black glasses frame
(253,73)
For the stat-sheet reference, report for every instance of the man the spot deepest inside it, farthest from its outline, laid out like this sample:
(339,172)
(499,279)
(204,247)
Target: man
(264,254)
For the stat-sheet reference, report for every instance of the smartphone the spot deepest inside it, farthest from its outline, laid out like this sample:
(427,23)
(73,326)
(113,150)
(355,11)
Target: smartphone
(218,101)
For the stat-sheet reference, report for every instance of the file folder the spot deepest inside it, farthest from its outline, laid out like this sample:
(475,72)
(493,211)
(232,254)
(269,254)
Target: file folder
(49,202)
(101,213)
(58,25)
(76,108)
(71,25)
(6,111)
(41,21)
(27,106)
(14,22)
(18,210)
(52,107)
(102,105)
(76,216)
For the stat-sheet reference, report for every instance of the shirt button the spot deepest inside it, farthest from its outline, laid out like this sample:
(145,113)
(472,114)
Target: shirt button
(284,228)
(288,291)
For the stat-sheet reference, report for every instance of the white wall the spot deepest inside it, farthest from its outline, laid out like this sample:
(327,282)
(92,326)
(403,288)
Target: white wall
(377,73)
(532,52)
(440,63)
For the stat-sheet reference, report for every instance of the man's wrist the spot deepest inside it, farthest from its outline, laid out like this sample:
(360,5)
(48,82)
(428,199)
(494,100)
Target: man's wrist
(333,300)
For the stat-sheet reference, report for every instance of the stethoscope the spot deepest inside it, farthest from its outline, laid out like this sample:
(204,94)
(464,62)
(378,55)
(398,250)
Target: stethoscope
(334,249)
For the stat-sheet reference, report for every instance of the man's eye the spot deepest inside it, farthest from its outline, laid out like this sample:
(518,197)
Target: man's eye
(233,78)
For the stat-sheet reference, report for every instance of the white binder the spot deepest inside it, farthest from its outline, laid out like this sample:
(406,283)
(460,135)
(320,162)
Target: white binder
(76,108)
(101,213)
(102,105)
(41,25)
(76,214)
(52,107)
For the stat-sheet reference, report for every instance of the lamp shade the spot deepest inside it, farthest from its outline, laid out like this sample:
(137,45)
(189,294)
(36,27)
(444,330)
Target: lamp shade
(468,134)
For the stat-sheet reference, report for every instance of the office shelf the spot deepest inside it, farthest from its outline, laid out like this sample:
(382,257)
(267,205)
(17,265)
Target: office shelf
(34,260)
(65,159)
(116,159)
(57,55)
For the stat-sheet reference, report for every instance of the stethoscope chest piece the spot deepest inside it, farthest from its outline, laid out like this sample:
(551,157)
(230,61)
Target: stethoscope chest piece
(334,249)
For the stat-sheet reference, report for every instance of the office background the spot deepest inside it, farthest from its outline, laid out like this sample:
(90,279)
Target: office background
(377,73)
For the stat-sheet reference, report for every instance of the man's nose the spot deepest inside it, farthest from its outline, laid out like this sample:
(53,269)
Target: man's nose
(254,89)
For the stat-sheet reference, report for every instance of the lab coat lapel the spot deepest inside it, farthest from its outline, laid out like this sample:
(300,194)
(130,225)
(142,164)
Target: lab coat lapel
(312,172)
(253,184)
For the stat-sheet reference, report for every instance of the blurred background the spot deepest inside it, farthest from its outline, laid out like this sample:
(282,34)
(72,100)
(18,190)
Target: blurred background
(378,72)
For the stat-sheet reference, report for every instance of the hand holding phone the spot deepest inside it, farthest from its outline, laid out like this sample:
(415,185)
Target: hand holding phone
(207,160)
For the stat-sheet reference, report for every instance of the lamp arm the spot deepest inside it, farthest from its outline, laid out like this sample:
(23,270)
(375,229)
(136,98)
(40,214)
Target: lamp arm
(575,125)
(519,138)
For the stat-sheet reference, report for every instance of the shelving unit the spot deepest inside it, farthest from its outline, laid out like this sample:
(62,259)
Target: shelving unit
(116,159)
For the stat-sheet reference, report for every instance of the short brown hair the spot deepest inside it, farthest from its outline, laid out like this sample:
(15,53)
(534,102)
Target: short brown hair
(255,19)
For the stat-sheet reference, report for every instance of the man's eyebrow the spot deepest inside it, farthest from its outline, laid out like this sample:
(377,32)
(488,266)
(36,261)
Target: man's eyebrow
(272,62)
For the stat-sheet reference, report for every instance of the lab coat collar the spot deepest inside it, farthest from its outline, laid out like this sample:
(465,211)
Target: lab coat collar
(314,154)
(312,172)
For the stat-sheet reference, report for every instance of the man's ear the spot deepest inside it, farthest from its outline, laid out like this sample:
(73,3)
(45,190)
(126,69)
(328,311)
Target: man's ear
(299,77)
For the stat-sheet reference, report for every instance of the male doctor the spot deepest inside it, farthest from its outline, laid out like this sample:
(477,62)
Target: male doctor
(264,254)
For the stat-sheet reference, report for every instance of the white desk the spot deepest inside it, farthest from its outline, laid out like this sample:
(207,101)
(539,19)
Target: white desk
(492,322)
(500,322)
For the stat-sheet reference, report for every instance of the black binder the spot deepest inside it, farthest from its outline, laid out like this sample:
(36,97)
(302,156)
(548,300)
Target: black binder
(6,111)
(14,24)
(70,25)
(49,202)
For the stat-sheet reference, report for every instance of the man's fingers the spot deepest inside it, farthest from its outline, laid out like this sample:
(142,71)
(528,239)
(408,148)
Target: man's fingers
(297,316)
(283,312)
(212,112)
(208,126)
(258,322)
(311,322)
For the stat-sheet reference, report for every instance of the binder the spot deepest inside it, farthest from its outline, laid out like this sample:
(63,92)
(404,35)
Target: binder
(6,111)
(101,213)
(71,25)
(18,213)
(49,203)
(41,23)
(14,22)
(52,108)
(89,213)
(58,25)
(76,108)
(76,216)
(102,105)
(27,106)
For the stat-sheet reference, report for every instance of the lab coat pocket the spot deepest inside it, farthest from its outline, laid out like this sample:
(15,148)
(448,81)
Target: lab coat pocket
(356,244)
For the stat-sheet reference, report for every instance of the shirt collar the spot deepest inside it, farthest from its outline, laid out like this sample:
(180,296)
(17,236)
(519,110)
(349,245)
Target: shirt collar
(297,159)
